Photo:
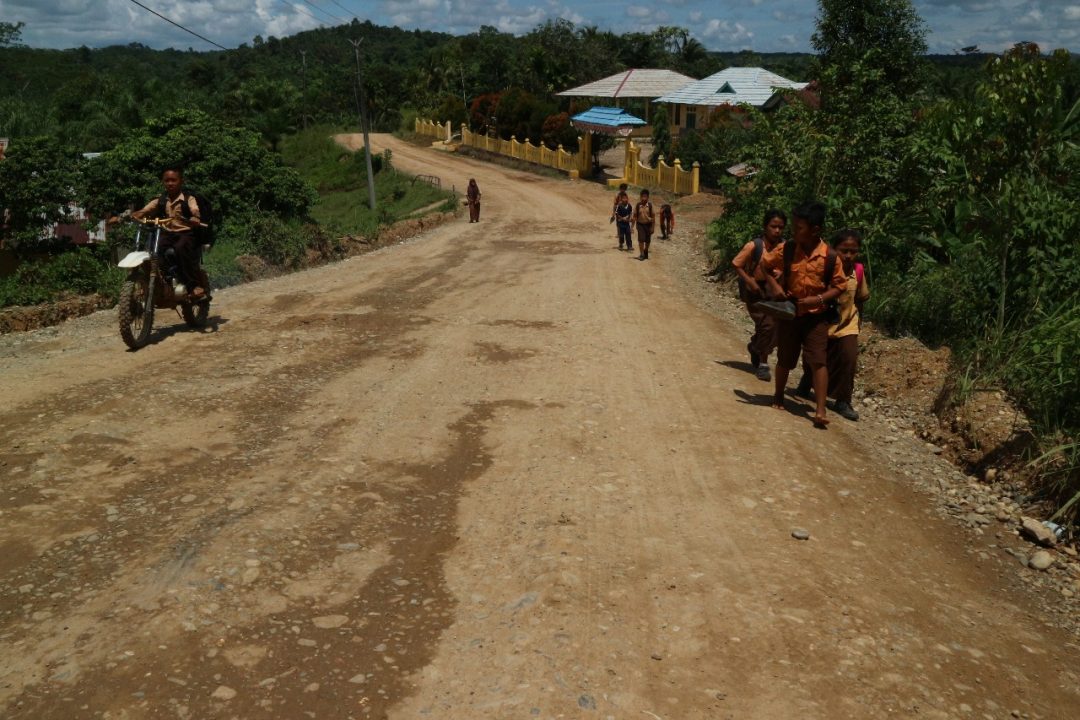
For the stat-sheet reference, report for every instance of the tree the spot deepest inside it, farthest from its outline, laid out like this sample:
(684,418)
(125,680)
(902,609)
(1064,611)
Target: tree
(661,136)
(38,177)
(10,33)
(230,165)
(886,36)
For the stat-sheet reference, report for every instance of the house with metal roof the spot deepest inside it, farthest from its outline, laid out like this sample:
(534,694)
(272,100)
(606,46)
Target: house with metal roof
(633,89)
(689,105)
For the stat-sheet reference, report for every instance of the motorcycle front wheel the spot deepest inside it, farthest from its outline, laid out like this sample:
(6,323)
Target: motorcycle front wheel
(136,310)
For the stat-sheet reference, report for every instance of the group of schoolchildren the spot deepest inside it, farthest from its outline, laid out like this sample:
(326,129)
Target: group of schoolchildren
(626,216)
(805,297)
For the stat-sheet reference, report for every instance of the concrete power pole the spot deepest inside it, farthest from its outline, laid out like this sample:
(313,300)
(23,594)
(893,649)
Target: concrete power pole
(362,102)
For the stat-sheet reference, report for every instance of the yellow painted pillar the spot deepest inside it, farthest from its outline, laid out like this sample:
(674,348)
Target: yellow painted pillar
(585,154)
(695,181)
(678,176)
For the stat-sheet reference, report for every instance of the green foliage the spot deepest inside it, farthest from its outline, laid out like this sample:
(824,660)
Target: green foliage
(10,33)
(228,165)
(966,203)
(37,183)
(661,137)
(80,271)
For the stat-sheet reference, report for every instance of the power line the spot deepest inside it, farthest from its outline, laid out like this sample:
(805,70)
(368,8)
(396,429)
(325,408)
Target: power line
(329,15)
(301,8)
(192,32)
(344,8)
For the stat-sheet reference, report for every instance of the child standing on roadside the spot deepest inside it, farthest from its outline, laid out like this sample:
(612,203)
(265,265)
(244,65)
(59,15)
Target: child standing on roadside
(747,264)
(623,187)
(812,279)
(843,348)
(646,220)
(623,215)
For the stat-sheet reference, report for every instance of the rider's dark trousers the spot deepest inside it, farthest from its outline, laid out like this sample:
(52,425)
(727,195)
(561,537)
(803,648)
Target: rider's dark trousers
(187,256)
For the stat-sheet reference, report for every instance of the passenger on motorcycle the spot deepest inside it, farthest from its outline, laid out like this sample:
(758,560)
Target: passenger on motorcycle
(177,238)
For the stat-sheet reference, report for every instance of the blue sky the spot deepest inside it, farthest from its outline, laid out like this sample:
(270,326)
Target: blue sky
(763,25)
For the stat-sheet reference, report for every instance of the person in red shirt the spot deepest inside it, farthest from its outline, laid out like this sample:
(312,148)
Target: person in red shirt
(811,277)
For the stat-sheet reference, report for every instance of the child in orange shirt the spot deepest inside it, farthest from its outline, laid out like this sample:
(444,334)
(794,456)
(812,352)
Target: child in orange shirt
(747,264)
(811,278)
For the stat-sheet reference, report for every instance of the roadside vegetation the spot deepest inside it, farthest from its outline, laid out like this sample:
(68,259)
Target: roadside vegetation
(966,204)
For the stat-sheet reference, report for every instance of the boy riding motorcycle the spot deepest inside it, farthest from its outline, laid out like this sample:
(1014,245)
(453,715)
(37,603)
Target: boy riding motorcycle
(178,239)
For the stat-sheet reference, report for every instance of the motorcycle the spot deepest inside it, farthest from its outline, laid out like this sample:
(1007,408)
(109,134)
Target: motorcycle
(150,285)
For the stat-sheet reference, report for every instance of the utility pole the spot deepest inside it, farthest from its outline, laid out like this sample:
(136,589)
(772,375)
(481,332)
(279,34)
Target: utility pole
(303,82)
(362,102)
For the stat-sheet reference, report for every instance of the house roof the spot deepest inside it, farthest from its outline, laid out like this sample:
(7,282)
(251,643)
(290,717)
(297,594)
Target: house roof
(606,120)
(632,83)
(733,86)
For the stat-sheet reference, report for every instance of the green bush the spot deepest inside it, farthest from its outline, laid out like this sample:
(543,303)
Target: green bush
(81,271)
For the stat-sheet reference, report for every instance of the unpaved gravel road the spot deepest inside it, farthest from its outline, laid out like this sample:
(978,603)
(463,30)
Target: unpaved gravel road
(495,472)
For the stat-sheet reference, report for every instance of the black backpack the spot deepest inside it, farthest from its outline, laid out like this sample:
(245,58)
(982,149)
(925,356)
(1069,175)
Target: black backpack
(832,308)
(203,235)
(755,260)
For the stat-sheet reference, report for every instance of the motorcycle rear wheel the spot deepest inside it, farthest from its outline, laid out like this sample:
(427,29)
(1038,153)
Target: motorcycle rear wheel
(196,314)
(136,311)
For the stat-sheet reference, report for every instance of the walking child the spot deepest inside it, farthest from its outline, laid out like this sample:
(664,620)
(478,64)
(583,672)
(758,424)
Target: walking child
(623,215)
(646,221)
(842,353)
(623,188)
(473,196)
(811,278)
(748,266)
(667,221)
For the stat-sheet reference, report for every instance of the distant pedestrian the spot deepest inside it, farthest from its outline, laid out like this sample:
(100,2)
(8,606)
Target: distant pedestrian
(646,221)
(623,216)
(842,355)
(623,190)
(473,196)
(667,221)
(748,266)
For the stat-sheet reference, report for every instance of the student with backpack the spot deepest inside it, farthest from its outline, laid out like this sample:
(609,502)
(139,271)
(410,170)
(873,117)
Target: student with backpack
(623,215)
(811,279)
(747,264)
(646,221)
(842,353)
(185,232)
(667,221)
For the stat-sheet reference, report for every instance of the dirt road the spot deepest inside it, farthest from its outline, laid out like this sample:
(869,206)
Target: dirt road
(496,472)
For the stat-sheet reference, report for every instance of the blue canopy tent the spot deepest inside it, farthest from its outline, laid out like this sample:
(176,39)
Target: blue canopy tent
(611,121)
(606,121)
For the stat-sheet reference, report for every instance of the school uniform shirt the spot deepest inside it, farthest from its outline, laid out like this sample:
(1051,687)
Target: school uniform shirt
(742,258)
(806,278)
(174,211)
(849,311)
(643,214)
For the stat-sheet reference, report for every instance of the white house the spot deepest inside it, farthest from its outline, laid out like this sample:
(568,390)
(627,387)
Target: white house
(690,105)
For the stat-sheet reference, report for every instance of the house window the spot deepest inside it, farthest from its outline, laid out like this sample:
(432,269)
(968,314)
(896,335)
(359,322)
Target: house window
(678,115)
(691,117)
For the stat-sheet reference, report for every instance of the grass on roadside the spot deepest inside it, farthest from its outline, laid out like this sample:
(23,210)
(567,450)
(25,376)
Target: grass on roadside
(340,176)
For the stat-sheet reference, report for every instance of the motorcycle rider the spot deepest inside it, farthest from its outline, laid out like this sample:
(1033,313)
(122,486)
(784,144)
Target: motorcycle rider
(181,211)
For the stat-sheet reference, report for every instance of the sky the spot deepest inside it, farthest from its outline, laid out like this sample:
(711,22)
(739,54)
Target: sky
(761,25)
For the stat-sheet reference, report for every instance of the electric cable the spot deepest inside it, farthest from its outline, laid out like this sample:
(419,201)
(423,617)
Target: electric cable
(344,8)
(301,8)
(171,22)
(333,17)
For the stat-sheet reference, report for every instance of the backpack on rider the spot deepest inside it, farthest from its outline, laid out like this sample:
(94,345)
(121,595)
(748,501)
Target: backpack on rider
(204,234)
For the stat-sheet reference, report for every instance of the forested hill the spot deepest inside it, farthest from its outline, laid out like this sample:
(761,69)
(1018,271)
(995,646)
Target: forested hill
(90,98)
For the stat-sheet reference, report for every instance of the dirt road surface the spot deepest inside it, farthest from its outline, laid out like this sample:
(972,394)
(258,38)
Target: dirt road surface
(499,471)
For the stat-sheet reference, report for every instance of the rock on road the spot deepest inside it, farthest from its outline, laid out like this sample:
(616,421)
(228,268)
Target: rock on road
(495,472)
